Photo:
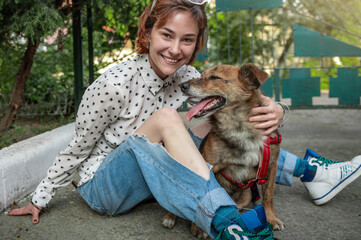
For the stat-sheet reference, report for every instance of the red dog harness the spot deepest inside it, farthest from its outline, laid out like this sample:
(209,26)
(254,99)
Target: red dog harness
(261,177)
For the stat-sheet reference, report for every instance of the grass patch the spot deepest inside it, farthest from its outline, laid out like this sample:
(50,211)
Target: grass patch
(26,127)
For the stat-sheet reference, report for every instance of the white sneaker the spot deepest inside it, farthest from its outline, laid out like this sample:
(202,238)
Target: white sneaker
(325,178)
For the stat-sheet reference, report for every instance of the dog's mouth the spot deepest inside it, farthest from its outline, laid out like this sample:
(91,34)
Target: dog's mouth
(205,106)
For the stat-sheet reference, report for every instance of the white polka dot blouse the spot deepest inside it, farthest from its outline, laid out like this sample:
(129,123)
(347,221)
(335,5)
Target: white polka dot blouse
(112,108)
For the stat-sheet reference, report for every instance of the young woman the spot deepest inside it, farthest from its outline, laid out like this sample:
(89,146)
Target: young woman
(131,144)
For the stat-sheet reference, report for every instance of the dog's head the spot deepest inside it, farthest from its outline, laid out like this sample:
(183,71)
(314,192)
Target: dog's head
(223,85)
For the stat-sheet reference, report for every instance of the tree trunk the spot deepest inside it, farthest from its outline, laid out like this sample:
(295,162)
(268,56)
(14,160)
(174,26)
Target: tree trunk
(16,100)
(287,46)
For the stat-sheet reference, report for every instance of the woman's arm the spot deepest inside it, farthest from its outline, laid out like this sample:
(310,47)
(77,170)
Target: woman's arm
(89,127)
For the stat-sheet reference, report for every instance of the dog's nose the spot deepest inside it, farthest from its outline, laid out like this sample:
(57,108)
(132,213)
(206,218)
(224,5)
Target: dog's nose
(184,87)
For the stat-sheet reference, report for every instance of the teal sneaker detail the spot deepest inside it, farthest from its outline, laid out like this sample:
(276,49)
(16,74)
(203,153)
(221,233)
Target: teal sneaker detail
(310,154)
(251,225)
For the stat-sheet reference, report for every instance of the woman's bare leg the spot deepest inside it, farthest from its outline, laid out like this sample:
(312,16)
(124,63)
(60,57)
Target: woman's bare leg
(166,126)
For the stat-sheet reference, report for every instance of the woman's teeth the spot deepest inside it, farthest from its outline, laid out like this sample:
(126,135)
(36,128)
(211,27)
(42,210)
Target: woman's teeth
(170,60)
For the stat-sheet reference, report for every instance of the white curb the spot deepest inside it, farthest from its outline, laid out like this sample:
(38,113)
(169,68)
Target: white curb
(24,164)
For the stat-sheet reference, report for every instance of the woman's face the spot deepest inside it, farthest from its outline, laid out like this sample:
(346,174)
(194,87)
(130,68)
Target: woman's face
(172,45)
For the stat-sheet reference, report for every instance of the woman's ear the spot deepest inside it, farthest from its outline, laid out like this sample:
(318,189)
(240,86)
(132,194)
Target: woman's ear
(148,40)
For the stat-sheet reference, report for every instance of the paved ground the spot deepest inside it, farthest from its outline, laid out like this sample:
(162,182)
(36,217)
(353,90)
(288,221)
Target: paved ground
(332,133)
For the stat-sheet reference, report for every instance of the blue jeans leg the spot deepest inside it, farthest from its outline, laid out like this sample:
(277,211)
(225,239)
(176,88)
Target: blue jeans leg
(118,185)
(155,173)
(286,164)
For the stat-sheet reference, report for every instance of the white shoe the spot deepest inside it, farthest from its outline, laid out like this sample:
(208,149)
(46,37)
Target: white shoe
(325,178)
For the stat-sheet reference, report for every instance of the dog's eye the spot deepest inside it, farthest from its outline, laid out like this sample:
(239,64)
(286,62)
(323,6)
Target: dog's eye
(214,78)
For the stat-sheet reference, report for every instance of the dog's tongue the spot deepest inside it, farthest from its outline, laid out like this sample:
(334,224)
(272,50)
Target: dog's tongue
(198,107)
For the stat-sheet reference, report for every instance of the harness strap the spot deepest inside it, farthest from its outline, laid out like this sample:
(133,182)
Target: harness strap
(261,177)
(276,139)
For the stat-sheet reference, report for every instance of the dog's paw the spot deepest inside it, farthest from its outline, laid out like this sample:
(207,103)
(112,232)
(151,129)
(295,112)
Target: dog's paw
(197,232)
(169,220)
(277,225)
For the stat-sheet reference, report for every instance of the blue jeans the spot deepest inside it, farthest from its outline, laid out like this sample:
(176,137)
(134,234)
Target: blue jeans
(286,164)
(138,170)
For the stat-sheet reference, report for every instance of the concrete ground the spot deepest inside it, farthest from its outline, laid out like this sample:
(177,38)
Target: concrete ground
(335,134)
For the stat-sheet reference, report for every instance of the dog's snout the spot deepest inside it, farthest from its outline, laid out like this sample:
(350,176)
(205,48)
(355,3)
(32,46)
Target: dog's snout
(184,86)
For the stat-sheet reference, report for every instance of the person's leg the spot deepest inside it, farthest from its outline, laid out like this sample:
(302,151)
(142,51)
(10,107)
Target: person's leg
(173,183)
(182,171)
(286,164)
(118,184)
(165,126)
(323,178)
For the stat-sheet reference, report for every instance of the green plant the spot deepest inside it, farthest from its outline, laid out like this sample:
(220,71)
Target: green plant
(28,127)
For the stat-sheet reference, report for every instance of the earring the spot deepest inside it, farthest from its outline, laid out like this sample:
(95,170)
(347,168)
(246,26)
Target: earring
(148,45)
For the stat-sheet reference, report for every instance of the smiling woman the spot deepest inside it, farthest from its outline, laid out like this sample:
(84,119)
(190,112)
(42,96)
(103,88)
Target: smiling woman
(172,45)
(158,16)
(130,142)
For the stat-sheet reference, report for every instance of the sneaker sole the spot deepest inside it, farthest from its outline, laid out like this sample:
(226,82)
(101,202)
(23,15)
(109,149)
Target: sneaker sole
(338,188)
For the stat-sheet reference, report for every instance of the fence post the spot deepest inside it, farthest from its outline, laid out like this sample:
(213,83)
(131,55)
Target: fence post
(90,42)
(77,48)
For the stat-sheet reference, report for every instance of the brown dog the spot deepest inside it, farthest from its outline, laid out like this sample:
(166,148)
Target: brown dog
(226,94)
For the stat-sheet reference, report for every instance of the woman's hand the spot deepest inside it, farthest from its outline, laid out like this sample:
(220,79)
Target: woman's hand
(30,209)
(267,117)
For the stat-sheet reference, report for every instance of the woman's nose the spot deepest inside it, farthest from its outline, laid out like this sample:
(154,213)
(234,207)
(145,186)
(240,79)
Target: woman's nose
(175,48)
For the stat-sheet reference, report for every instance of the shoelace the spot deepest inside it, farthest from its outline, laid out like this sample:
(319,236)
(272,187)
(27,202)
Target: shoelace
(322,161)
(265,234)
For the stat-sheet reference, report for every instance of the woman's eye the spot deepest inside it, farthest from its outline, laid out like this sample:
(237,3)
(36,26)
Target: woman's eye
(188,40)
(166,35)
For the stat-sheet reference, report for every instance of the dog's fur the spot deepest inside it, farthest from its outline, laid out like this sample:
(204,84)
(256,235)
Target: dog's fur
(233,144)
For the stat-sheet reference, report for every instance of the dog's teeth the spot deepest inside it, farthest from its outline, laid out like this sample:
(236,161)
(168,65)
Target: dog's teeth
(211,104)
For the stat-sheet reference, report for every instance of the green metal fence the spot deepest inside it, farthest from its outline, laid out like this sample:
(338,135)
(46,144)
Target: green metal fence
(298,58)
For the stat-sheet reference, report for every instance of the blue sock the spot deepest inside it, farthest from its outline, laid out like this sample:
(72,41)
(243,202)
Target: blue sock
(300,167)
(252,220)
(224,216)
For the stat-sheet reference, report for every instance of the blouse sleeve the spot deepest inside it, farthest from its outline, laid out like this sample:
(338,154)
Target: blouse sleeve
(100,106)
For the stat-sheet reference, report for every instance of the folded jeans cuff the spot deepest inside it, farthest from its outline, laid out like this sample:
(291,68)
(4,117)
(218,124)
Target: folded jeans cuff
(208,206)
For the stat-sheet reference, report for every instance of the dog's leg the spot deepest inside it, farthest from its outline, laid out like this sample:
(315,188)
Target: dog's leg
(197,232)
(169,220)
(268,188)
(242,198)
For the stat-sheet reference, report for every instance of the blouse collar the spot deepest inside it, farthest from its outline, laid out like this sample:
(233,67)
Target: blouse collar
(151,79)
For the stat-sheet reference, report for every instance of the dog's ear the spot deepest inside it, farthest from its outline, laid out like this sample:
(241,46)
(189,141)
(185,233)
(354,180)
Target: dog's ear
(255,76)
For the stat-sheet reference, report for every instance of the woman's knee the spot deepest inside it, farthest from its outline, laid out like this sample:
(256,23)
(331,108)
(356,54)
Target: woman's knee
(168,117)
(169,122)
(161,124)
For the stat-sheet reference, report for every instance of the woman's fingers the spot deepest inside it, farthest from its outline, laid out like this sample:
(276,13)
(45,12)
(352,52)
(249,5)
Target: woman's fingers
(36,216)
(19,211)
(268,131)
(266,117)
(29,209)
